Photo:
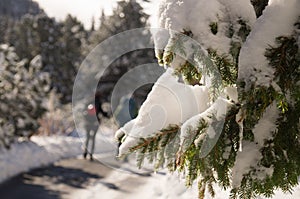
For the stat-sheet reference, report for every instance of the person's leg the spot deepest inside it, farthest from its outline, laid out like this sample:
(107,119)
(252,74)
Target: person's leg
(87,139)
(94,132)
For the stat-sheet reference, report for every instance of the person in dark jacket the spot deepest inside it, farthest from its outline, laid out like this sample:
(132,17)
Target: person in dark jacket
(91,127)
(92,112)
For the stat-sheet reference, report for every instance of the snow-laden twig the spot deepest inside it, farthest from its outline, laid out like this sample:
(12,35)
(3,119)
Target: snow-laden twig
(169,102)
(216,113)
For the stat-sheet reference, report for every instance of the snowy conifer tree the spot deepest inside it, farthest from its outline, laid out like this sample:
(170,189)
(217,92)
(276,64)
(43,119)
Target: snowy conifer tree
(237,123)
(127,15)
(59,44)
(23,88)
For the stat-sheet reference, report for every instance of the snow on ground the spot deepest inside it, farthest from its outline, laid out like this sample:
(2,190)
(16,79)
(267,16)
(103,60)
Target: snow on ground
(128,180)
(40,151)
(128,184)
(158,186)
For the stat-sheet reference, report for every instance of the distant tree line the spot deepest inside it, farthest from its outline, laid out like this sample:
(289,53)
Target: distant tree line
(40,54)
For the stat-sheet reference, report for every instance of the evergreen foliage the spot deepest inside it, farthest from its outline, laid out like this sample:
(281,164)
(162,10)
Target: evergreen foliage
(23,87)
(279,152)
(17,8)
(127,15)
(37,54)
(6,24)
(59,44)
(278,162)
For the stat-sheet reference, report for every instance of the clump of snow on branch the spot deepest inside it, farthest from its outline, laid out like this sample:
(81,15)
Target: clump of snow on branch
(266,125)
(169,102)
(215,113)
(198,16)
(218,109)
(250,156)
(278,19)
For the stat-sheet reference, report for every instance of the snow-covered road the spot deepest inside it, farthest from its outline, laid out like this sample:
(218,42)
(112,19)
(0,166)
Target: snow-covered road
(59,180)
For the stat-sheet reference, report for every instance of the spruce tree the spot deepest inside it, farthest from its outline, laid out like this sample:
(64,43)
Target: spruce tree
(59,44)
(252,146)
(15,9)
(23,89)
(126,15)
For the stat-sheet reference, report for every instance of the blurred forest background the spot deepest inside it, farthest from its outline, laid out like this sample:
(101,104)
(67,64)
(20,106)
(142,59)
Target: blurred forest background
(39,59)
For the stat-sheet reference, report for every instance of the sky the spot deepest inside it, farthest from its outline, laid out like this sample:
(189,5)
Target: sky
(84,10)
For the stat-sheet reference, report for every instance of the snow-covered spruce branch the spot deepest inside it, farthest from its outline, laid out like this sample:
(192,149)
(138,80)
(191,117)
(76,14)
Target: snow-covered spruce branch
(271,120)
(267,67)
(175,148)
(157,137)
(157,149)
(169,102)
(205,126)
